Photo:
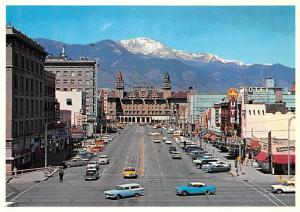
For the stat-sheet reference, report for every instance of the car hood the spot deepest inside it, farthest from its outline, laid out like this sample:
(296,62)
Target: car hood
(113,191)
(129,172)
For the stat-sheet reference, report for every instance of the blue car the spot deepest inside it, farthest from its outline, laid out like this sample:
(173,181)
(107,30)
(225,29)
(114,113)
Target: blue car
(194,188)
(125,190)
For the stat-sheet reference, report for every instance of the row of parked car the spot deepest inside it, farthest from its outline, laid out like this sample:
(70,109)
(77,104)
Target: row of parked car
(201,158)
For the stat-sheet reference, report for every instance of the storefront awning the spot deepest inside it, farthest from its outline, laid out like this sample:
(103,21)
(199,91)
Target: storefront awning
(262,156)
(283,159)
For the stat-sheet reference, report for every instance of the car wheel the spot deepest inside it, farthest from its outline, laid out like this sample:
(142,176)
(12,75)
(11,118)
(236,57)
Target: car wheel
(136,195)
(207,192)
(184,193)
(279,191)
(118,196)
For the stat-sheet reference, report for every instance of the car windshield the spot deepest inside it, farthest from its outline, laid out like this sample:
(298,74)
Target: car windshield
(119,188)
(129,169)
(92,162)
(103,156)
(90,173)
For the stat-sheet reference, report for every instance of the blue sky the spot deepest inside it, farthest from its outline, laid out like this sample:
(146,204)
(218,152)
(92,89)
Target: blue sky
(251,34)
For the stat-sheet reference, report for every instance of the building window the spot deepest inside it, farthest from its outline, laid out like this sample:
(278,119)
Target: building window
(37,71)
(258,112)
(36,86)
(58,81)
(263,112)
(22,83)
(16,82)
(79,89)
(22,62)
(79,82)
(87,73)
(32,108)
(27,84)
(41,87)
(79,73)
(58,73)
(65,81)
(65,89)
(72,81)
(65,73)
(27,108)
(32,85)
(72,73)
(254,112)
(250,112)
(16,107)
(58,89)
(27,64)
(69,101)
(16,59)
(21,107)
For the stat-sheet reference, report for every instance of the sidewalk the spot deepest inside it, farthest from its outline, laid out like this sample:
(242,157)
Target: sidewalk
(245,172)
(34,176)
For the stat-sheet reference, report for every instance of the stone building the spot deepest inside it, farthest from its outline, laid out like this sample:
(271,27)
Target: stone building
(76,75)
(142,104)
(27,94)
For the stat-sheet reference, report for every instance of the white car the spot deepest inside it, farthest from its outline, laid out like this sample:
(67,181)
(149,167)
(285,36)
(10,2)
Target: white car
(154,133)
(156,140)
(93,164)
(176,155)
(168,142)
(103,159)
(288,186)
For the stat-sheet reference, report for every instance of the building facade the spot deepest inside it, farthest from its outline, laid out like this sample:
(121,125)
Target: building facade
(77,75)
(143,104)
(25,99)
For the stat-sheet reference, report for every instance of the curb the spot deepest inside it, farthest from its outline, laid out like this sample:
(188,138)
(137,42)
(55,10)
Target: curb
(51,174)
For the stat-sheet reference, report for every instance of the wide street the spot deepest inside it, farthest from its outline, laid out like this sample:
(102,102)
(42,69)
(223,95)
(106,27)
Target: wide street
(158,174)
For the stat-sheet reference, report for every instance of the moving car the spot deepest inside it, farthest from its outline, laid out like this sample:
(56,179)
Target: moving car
(176,155)
(205,161)
(91,174)
(172,149)
(125,190)
(103,159)
(194,188)
(129,172)
(288,186)
(76,162)
(154,133)
(156,140)
(168,142)
(93,164)
(218,167)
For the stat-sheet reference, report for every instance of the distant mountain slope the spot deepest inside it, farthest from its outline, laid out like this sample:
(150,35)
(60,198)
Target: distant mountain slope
(145,64)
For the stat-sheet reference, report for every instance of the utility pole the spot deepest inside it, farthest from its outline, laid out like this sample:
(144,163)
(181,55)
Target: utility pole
(270,152)
(46,145)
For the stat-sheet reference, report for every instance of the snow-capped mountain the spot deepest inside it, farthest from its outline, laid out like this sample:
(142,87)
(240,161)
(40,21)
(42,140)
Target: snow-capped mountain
(150,47)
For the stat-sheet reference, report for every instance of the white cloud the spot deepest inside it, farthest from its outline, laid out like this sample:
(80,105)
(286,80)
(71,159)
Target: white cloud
(105,27)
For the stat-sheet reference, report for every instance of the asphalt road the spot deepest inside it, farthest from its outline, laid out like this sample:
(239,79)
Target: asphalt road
(158,174)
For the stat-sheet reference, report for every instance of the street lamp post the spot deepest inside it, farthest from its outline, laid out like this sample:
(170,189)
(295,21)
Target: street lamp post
(289,151)
(46,142)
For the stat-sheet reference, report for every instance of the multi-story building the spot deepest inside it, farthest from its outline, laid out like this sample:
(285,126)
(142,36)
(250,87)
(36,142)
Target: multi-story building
(142,104)
(50,114)
(25,98)
(79,75)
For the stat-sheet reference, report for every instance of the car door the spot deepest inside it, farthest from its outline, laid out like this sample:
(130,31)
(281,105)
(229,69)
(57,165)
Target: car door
(127,192)
(200,189)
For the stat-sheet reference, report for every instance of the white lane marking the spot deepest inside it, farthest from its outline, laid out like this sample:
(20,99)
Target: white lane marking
(103,171)
(161,173)
(9,194)
(261,193)
(25,191)
(269,193)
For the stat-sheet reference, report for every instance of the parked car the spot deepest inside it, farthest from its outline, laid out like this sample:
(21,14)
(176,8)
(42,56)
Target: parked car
(91,174)
(130,172)
(176,155)
(93,164)
(103,159)
(168,142)
(288,186)
(199,159)
(219,167)
(76,161)
(125,190)
(156,140)
(172,149)
(194,188)
(206,166)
